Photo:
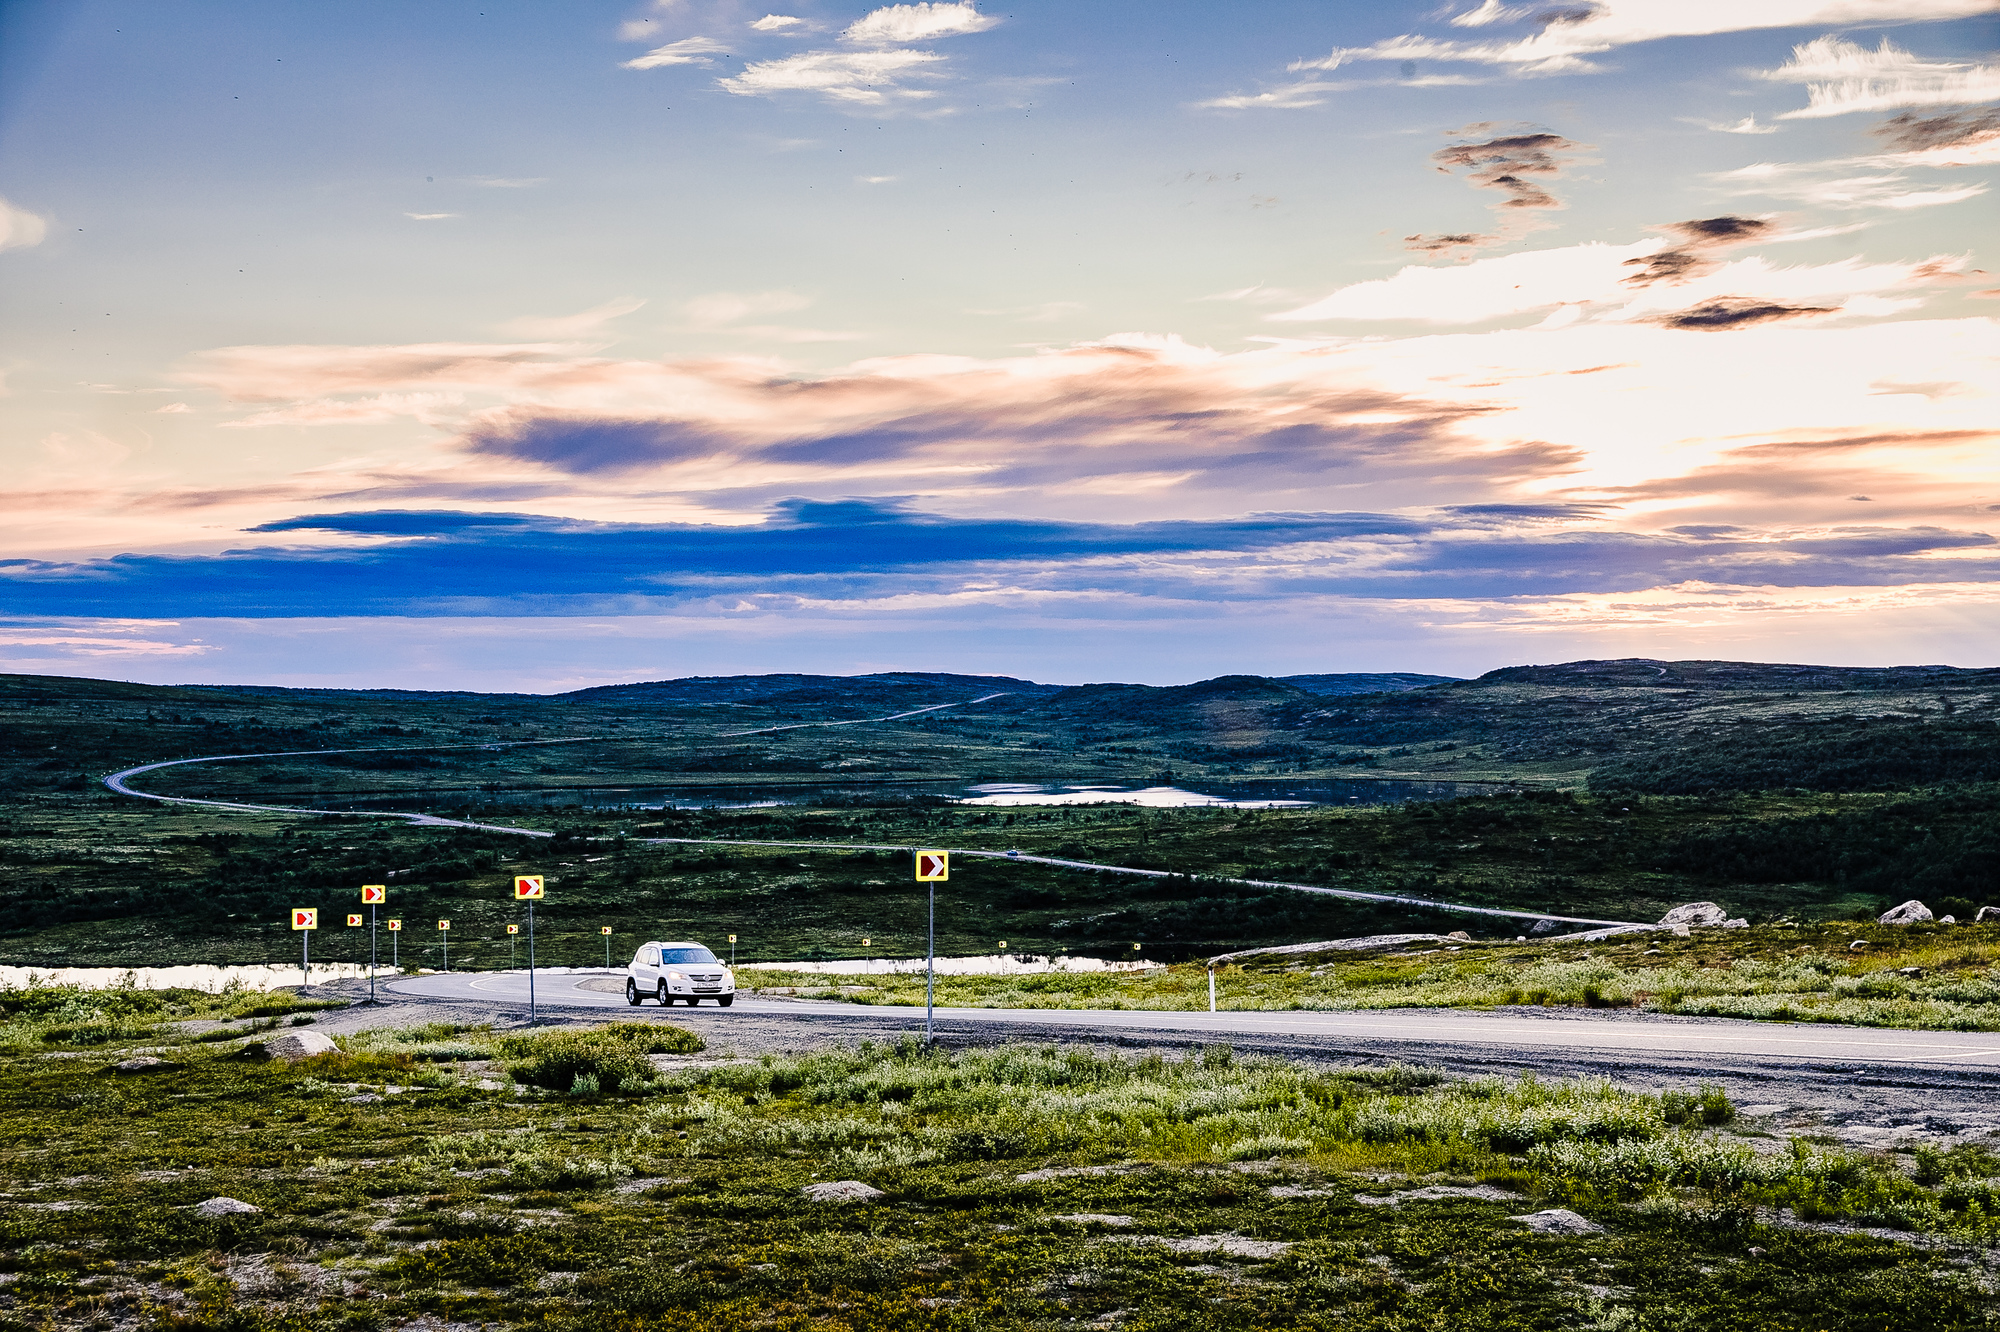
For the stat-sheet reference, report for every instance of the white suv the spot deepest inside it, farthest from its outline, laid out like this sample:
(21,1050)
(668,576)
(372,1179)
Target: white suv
(686,972)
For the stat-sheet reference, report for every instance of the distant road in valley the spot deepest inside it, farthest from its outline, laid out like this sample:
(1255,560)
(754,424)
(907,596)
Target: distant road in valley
(121,782)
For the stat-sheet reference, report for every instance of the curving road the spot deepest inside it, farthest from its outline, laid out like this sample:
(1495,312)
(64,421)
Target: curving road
(1638,1036)
(120,782)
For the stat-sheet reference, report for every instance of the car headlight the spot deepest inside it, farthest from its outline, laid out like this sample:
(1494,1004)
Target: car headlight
(675,975)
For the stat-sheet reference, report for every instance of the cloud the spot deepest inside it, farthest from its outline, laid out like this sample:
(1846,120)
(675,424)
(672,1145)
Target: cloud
(1512,164)
(429,217)
(1842,77)
(1599,278)
(726,307)
(860,78)
(687,51)
(173,408)
(1814,183)
(582,324)
(1729,312)
(19,228)
(1695,244)
(866,550)
(281,373)
(920,22)
(777,23)
(1565,35)
(1747,125)
(1960,139)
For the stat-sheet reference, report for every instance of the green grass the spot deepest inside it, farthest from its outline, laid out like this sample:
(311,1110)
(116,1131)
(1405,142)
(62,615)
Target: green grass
(676,1202)
(1782,973)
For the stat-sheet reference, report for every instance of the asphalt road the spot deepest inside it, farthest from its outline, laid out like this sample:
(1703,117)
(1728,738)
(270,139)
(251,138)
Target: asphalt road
(1618,1037)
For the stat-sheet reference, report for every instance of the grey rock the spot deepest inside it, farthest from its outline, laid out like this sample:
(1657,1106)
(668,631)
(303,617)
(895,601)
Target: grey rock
(1701,914)
(225,1207)
(1094,1219)
(1987,913)
(1544,927)
(141,1064)
(1296,1191)
(842,1191)
(1736,923)
(1558,1221)
(1236,1246)
(298,1045)
(1947,920)
(1436,1192)
(1858,945)
(1911,912)
(1460,935)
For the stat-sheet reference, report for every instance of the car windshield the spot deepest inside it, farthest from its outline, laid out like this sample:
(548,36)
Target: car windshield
(685,956)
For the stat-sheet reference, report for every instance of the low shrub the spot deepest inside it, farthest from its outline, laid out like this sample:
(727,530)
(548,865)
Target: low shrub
(614,1056)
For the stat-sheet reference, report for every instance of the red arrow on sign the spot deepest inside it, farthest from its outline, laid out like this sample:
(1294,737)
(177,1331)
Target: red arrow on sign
(933,866)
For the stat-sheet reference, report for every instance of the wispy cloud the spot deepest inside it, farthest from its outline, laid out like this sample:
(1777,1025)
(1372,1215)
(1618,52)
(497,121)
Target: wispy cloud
(923,22)
(1565,35)
(578,325)
(777,23)
(860,78)
(506,182)
(687,51)
(429,217)
(1747,125)
(1600,279)
(20,228)
(1842,77)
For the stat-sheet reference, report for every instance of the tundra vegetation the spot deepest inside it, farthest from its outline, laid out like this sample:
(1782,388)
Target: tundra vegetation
(1612,790)
(1925,976)
(446,1173)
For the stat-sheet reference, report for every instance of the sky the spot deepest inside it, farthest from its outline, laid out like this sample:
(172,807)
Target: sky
(528,347)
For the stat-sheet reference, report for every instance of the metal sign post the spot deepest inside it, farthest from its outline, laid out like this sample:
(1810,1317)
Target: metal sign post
(732,952)
(372,896)
(395,952)
(605,930)
(444,935)
(305,920)
(528,888)
(932,868)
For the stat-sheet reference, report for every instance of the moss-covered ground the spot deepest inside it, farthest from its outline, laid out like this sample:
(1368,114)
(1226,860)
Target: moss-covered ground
(442,1174)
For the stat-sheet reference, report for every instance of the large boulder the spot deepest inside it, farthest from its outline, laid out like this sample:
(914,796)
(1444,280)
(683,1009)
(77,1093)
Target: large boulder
(298,1045)
(1695,914)
(141,1064)
(225,1207)
(1987,913)
(841,1191)
(1911,912)
(1558,1221)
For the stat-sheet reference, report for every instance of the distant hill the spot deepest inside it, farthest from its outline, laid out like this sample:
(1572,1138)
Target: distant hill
(887,691)
(1386,682)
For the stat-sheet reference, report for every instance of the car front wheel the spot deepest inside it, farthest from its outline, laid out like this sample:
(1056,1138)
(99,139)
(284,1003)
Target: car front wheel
(631,992)
(666,1000)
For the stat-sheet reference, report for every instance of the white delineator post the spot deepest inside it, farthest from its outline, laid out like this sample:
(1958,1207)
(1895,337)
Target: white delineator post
(1211,989)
